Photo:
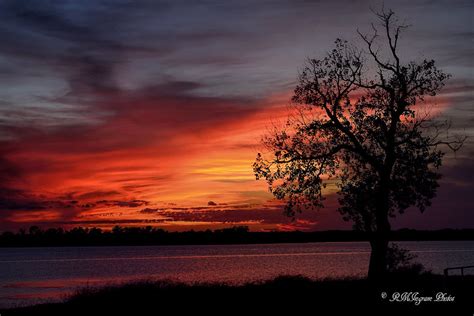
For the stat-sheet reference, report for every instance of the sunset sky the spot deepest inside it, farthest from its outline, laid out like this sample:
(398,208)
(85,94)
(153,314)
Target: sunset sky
(151,112)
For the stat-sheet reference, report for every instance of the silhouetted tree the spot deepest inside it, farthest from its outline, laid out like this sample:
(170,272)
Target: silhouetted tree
(360,124)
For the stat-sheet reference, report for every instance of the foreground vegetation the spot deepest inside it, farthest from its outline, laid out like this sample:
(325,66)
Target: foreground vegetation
(78,236)
(290,294)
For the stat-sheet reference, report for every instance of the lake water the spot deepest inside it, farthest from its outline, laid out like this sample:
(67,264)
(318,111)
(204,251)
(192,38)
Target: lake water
(32,275)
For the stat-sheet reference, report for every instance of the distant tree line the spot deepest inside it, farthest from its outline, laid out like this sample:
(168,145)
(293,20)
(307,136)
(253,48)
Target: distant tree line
(79,236)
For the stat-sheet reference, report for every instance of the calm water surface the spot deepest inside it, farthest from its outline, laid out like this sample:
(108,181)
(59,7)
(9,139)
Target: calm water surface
(32,275)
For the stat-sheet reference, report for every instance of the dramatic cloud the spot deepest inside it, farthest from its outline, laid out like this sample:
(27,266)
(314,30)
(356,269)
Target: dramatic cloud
(150,112)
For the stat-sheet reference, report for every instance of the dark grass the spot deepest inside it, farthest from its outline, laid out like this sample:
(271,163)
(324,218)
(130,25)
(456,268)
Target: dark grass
(293,295)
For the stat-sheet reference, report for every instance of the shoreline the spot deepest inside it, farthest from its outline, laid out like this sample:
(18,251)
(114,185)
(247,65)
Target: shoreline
(136,236)
(224,244)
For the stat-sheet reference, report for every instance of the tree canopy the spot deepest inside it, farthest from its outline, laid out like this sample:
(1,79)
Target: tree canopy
(363,122)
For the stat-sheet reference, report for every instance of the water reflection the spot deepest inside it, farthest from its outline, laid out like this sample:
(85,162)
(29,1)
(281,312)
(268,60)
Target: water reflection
(30,275)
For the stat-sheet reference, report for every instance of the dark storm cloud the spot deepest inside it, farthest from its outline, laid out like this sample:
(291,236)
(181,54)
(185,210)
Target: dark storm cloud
(85,43)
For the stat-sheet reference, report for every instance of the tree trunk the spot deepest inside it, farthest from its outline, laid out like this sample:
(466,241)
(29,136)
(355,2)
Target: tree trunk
(380,238)
(378,257)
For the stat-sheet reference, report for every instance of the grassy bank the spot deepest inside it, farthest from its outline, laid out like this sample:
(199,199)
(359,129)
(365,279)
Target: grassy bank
(291,294)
